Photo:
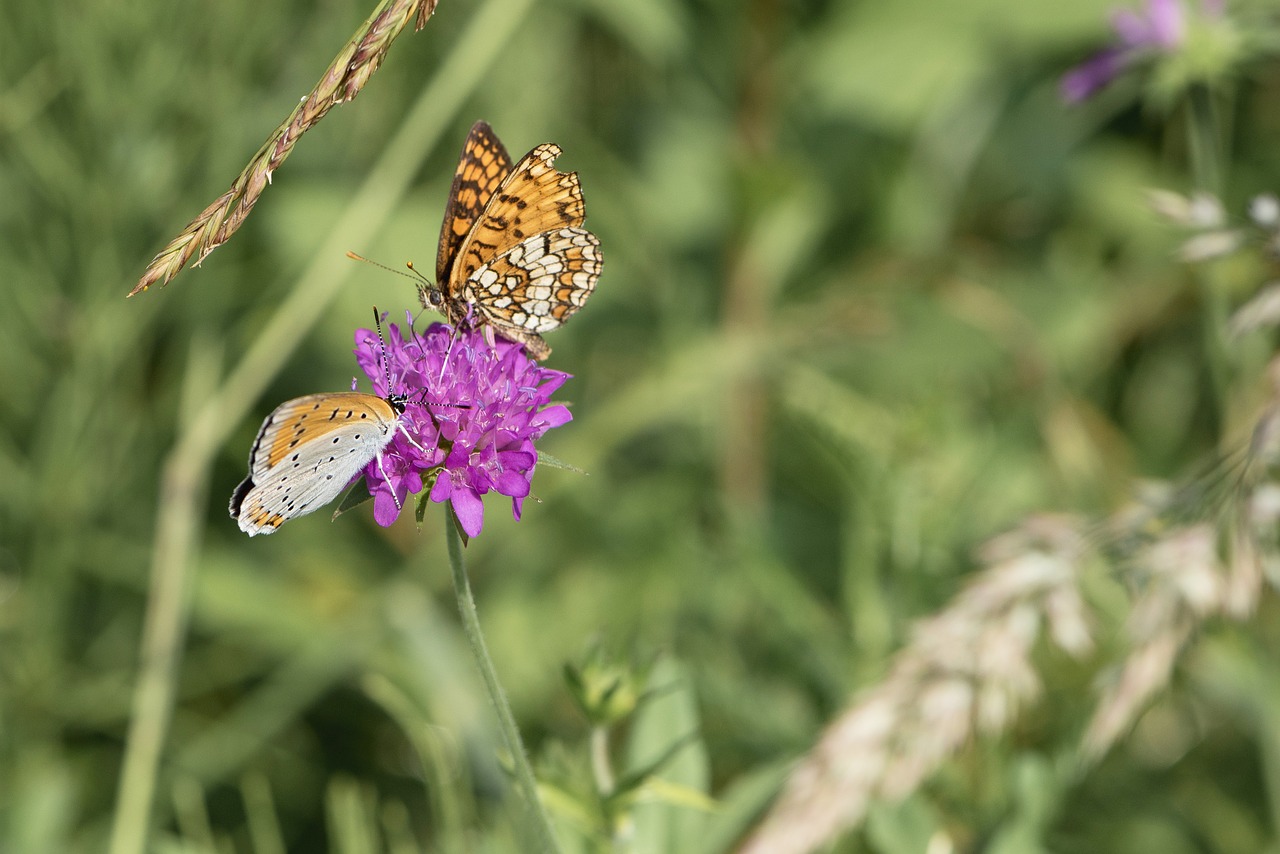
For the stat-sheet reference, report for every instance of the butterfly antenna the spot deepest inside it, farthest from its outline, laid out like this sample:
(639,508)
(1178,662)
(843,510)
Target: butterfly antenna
(429,293)
(425,285)
(416,275)
(386,363)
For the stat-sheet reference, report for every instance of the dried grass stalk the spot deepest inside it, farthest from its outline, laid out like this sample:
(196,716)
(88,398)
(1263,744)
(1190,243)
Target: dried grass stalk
(1182,581)
(1201,552)
(345,77)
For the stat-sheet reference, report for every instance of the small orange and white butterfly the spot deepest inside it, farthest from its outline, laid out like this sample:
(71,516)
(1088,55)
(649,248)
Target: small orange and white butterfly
(309,449)
(513,252)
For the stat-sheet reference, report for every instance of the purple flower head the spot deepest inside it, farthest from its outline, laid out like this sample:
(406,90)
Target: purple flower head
(1161,27)
(473,410)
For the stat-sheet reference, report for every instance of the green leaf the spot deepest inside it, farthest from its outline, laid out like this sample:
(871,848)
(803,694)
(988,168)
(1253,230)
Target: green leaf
(428,481)
(358,494)
(664,823)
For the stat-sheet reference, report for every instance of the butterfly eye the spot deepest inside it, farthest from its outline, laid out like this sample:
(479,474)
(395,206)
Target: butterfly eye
(430,296)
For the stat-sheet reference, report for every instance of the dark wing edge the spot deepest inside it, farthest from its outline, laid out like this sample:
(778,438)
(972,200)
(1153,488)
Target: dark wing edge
(481,150)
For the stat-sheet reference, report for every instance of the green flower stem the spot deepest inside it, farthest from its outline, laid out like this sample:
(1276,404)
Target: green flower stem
(1203,141)
(1204,145)
(525,780)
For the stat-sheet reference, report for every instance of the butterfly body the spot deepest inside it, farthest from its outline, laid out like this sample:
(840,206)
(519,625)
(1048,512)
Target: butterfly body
(513,252)
(307,451)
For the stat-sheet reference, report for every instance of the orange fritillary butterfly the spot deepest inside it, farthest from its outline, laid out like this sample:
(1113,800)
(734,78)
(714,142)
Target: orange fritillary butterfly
(513,252)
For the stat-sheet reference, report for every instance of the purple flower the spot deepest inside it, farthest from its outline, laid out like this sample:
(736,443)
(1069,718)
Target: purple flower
(474,410)
(1159,28)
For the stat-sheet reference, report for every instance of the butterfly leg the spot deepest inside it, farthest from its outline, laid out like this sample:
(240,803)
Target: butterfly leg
(412,441)
(394,497)
(444,367)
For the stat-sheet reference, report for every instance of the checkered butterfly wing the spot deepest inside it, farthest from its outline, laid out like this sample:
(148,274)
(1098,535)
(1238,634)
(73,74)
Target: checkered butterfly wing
(536,285)
(481,169)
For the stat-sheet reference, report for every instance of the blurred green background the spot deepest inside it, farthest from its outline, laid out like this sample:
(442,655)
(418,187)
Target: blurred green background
(872,294)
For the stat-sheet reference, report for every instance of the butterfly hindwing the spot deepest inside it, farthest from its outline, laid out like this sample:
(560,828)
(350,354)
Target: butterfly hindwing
(481,169)
(533,198)
(539,283)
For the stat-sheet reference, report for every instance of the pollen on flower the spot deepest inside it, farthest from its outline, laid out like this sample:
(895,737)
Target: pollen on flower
(473,411)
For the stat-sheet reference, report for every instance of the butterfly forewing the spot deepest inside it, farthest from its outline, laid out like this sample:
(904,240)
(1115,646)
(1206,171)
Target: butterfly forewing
(533,198)
(483,165)
(305,420)
(539,283)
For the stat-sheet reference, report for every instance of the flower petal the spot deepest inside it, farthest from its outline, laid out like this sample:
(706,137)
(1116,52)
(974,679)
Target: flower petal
(1090,76)
(552,416)
(1133,29)
(442,489)
(1165,17)
(513,483)
(385,510)
(518,460)
(469,509)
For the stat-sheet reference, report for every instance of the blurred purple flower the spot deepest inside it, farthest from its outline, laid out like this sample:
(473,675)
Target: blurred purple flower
(1159,28)
(475,411)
